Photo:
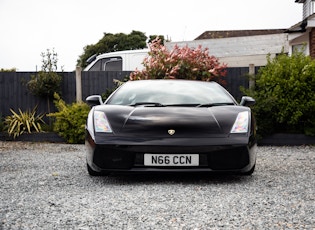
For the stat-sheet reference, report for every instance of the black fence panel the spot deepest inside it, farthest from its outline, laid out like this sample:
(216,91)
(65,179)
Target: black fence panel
(235,78)
(99,82)
(68,87)
(14,93)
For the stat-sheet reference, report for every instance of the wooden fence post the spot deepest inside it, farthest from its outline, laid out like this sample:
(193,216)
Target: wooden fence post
(251,73)
(78,84)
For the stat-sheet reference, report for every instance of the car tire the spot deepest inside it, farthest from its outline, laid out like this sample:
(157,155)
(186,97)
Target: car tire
(94,173)
(250,172)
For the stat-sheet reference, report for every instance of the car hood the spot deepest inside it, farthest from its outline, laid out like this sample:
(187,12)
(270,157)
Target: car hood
(183,121)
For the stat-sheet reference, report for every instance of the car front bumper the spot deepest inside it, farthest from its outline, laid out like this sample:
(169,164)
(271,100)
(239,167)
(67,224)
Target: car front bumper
(219,155)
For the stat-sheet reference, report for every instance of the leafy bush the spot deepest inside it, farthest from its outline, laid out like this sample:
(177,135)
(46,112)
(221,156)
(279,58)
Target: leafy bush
(285,95)
(47,81)
(180,63)
(44,84)
(8,70)
(28,121)
(70,120)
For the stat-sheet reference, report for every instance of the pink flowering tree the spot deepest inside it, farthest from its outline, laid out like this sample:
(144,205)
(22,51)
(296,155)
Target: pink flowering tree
(180,63)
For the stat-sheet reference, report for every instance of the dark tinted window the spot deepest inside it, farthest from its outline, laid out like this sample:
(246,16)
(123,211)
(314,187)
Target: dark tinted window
(96,66)
(108,64)
(112,64)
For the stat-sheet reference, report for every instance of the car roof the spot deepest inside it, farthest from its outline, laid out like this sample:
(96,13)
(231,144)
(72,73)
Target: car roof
(117,53)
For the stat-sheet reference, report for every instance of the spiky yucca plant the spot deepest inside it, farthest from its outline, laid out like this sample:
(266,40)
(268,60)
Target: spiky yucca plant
(19,123)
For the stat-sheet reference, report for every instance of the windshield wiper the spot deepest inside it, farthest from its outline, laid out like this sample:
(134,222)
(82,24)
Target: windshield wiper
(215,104)
(183,105)
(148,104)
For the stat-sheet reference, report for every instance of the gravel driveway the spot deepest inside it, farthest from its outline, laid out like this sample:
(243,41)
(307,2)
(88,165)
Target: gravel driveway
(46,186)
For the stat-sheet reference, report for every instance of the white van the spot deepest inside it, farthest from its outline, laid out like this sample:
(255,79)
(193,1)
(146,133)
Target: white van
(127,60)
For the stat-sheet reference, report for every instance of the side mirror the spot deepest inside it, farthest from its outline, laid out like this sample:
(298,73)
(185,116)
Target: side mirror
(247,101)
(94,100)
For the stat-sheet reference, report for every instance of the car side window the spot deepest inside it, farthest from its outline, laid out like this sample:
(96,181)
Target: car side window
(96,66)
(112,64)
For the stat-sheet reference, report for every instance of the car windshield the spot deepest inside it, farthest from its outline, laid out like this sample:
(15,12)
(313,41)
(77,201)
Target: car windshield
(171,93)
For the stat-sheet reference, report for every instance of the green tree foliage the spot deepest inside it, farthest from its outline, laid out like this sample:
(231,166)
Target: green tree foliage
(70,120)
(114,42)
(8,70)
(180,63)
(157,37)
(46,82)
(285,95)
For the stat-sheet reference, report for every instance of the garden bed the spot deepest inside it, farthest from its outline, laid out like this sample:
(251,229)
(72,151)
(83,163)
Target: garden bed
(287,139)
(34,137)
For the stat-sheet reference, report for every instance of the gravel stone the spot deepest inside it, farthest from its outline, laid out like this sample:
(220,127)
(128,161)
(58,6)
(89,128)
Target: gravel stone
(46,186)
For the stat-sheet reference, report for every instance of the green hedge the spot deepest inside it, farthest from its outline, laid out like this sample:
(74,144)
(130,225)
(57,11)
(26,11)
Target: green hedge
(285,95)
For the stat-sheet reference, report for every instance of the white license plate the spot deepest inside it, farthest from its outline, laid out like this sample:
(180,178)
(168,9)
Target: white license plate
(171,159)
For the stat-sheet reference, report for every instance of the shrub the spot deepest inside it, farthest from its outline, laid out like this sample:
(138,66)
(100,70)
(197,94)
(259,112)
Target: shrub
(44,84)
(70,120)
(285,95)
(8,70)
(28,121)
(47,81)
(180,63)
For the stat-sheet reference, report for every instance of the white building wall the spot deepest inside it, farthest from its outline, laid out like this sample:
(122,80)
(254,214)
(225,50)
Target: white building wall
(308,8)
(241,51)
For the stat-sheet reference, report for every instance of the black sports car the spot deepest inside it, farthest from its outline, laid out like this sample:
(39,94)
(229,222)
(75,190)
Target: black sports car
(171,126)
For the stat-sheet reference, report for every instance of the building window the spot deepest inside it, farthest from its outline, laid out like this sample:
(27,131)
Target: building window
(301,48)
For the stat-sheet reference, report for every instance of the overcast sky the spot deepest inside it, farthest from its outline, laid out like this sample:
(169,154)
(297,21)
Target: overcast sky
(30,27)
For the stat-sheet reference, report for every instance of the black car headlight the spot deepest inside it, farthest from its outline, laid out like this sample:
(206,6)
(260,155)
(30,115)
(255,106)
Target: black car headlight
(101,124)
(241,123)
